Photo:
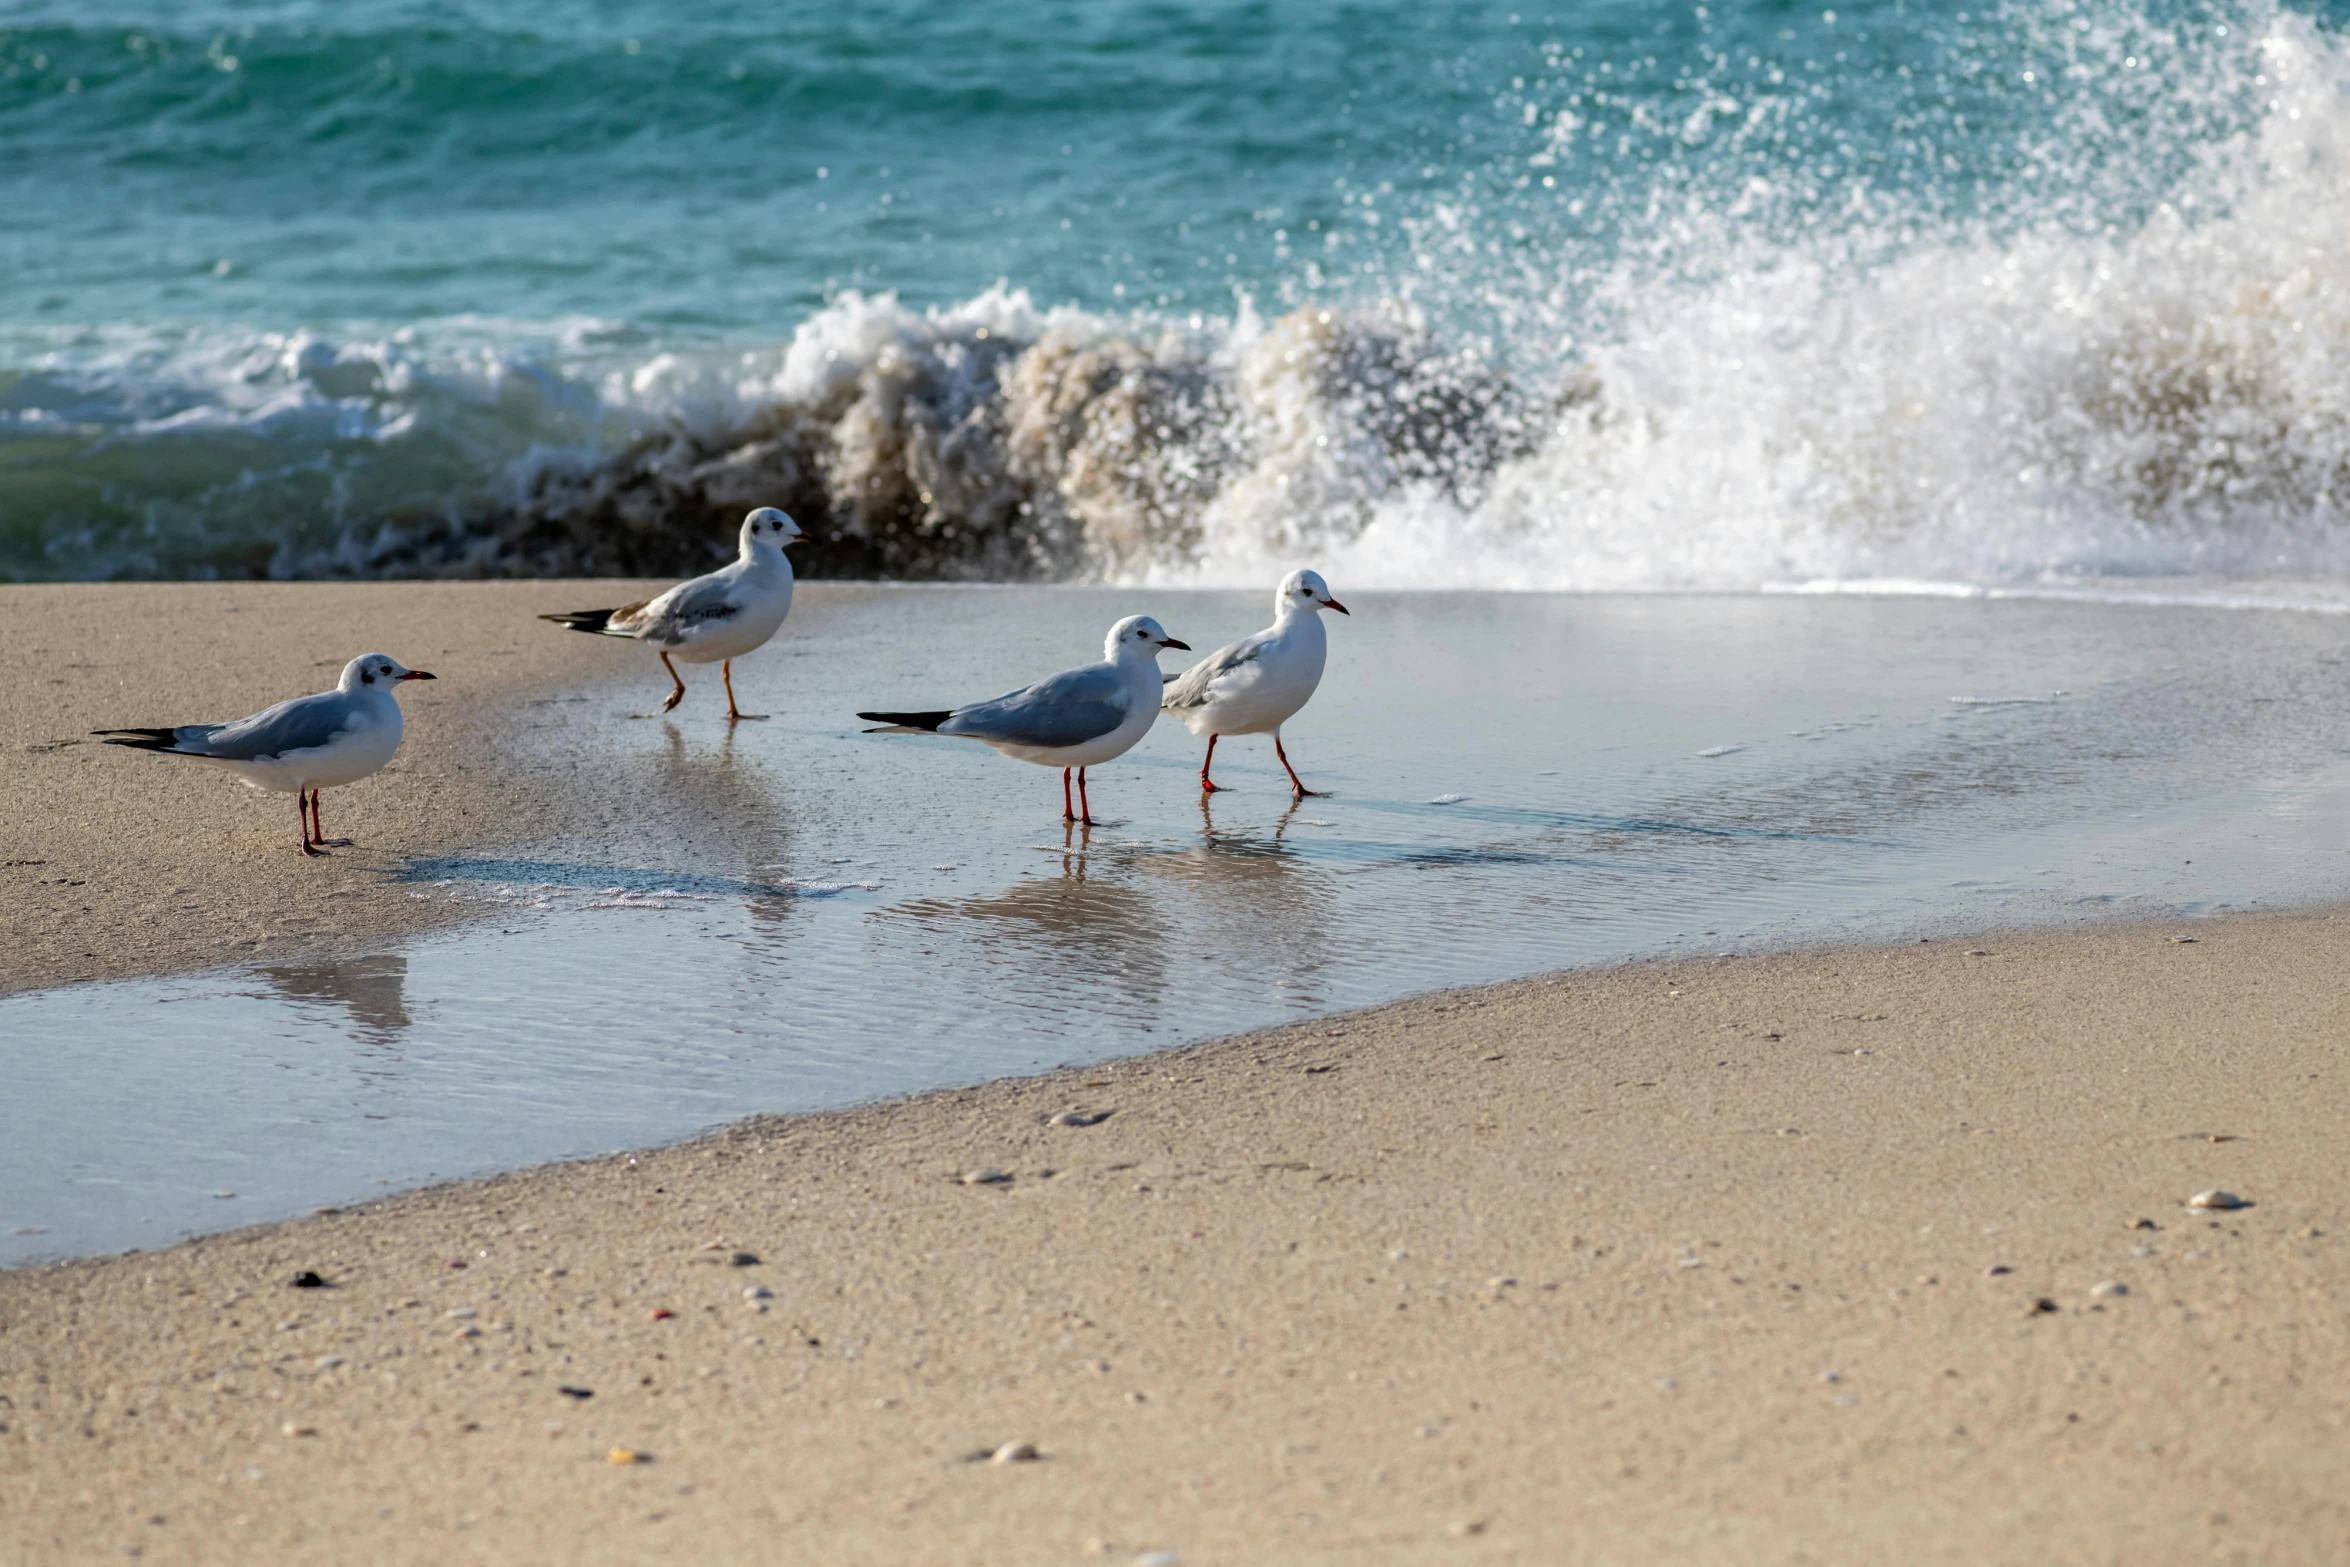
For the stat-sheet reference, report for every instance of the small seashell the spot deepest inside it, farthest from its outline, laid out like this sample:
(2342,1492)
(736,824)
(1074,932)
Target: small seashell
(659,1314)
(984,1177)
(1015,1453)
(758,1292)
(2222,1201)
(2109,1288)
(627,1455)
(459,1311)
(1077,1118)
(295,1428)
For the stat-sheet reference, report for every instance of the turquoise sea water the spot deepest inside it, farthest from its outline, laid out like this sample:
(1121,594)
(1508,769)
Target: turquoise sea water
(1595,295)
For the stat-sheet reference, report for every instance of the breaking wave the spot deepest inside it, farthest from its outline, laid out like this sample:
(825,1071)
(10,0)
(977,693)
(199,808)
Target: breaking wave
(1748,384)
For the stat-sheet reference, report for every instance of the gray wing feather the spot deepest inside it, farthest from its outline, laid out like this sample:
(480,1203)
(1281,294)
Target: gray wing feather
(696,604)
(1068,709)
(302,724)
(1191,688)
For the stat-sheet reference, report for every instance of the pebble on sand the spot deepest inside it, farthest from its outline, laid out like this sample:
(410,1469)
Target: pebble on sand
(984,1178)
(1077,1118)
(569,1391)
(307,1280)
(758,1292)
(1015,1453)
(1158,1559)
(743,1259)
(627,1455)
(296,1428)
(2222,1201)
(2109,1288)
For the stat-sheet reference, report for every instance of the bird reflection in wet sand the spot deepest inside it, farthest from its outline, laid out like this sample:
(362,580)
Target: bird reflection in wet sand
(1066,933)
(1255,892)
(371,992)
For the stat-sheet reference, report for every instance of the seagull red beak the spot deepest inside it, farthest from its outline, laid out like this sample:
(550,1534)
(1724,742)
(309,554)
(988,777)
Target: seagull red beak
(1171,642)
(1341,608)
(415,674)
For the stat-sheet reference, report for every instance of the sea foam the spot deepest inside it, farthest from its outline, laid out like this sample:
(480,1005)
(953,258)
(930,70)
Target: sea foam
(2082,388)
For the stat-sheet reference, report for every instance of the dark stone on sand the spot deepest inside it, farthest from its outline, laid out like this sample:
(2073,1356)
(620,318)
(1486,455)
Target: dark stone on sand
(307,1280)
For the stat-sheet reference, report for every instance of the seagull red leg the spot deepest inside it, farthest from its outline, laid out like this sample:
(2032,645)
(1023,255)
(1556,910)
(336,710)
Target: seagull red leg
(678,695)
(318,824)
(1067,814)
(1084,805)
(733,713)
(1295,782)
(302,811)
(1209,785)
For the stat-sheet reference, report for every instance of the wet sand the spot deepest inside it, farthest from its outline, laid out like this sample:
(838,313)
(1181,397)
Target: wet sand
(118,863)
(1776,1259)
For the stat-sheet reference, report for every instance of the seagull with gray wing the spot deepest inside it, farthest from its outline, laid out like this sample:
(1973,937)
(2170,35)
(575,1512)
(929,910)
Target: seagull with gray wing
(305,745)
(713,619)
(1074,720)
(1260,682)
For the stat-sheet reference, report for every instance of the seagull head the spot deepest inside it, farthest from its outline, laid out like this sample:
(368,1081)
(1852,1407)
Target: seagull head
(1305,592)
(376,672)
(1139,636)
(771,527)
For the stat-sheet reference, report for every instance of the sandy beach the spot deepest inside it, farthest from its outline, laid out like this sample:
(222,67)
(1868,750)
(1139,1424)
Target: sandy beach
(1852,1256)
(95,890)
(1818,1256)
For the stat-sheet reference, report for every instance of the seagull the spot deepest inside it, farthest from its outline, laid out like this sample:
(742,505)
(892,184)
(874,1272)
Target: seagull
(1258,684)
(307,744)
(1077,719)
(714,619)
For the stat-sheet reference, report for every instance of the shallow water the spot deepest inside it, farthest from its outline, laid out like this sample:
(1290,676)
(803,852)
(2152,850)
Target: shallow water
(1519,783)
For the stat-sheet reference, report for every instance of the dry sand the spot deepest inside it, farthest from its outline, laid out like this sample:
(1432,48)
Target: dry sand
(1782,1259)
(1689,1263)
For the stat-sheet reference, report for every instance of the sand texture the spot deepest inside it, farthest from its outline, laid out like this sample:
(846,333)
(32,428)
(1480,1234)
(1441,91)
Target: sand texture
(1783,1259)
(116,862)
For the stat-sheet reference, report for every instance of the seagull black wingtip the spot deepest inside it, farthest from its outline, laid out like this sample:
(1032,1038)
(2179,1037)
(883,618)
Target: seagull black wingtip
(139,739)
(926,722)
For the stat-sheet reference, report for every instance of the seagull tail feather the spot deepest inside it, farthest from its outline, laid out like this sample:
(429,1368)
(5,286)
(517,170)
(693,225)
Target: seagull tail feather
(907,723)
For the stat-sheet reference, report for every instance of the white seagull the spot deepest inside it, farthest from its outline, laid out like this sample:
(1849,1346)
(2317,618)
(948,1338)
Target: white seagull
(714,619)
(1258,684)
(307,744)
(1077,719)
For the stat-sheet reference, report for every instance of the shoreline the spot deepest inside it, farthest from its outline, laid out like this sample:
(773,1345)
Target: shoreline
(1721,1259)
